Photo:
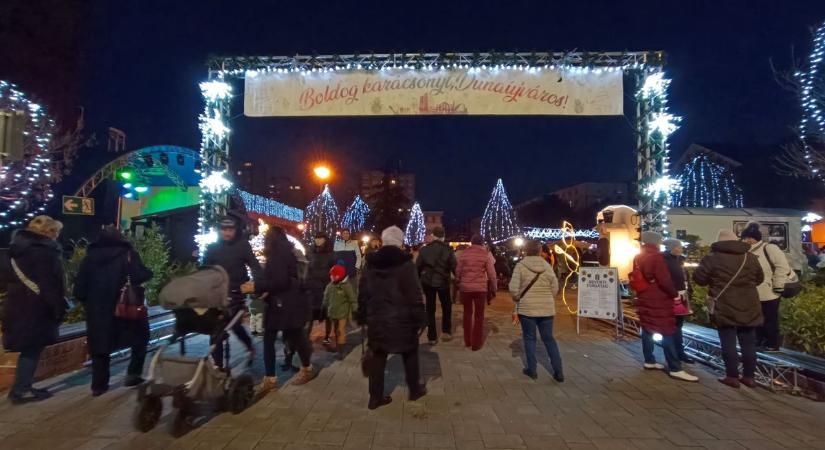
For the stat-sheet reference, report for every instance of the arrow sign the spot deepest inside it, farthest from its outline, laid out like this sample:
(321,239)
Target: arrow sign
(82,206)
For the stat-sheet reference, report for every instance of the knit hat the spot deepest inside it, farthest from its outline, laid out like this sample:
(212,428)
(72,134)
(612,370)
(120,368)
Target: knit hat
(392,237)
(337,273)
(670,244)
(652,238)
(752,231)
(726,235)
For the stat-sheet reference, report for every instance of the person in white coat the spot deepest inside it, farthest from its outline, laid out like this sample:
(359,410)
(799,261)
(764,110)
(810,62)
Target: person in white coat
(777,272)
(534,287)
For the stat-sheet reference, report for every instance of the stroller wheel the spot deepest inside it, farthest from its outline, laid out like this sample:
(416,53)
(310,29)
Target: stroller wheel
(148,413)
(241,392)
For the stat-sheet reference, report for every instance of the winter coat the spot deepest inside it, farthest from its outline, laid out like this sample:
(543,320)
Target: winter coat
(776,277)
(317,277)
(655,304)
(540,300)
(350,246)
(30,320)
(99,282)
(234,256)
(476,270)
(436,262)
(390,301)
(676,267)
(739,305)
(340,300)
(286,307)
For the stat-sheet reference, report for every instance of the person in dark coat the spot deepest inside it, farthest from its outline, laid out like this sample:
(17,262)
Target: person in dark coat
(675,260)
(655,307)
(436,265)
(321,259)
(234,254)
(35,304)
(390,304)
(737,311)
(100,280)
(286,307)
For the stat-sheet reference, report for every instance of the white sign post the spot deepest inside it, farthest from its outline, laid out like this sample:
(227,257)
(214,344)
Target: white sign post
(599,295)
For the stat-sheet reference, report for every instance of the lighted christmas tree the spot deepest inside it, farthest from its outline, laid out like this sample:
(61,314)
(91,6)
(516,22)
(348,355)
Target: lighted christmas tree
(355,217)
(706,183)
(321,216)
(499,221)
(416,230)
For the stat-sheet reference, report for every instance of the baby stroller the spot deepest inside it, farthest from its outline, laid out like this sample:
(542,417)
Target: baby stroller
(199,302)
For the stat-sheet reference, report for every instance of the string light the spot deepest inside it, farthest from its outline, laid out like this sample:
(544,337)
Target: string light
(572,261)
(705,183)
(416,231)
(499,221)
(321,216)
(215,183)
(268,207)
(557,234)
(355,217)
(812,96)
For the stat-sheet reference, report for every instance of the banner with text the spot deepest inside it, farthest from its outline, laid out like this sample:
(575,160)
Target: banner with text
(409,92)
(599,292)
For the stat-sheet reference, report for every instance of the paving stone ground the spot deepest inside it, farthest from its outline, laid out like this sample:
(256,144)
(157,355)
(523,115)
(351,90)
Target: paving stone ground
(477,400)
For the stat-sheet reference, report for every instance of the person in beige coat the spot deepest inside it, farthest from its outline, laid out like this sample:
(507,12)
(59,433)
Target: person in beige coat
(534,287)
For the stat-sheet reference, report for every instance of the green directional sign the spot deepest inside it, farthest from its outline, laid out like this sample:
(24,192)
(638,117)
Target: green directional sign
(81,206)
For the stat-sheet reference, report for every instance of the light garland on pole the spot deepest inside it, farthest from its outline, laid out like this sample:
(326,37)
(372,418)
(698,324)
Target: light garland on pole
(25,186)
(557,234)
(812,96)
(416,231)
(499,221)
(355,217)
(268,207)
(321,216)
(708,184)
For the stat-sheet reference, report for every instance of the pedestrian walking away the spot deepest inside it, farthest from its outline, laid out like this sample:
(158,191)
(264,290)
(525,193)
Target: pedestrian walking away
(533,287)
(733,275)
(321,259)
(35,301)
(436,265)
(654,305)
(476,278)
(675,260)
(340,302)
(234,254)
(390,304)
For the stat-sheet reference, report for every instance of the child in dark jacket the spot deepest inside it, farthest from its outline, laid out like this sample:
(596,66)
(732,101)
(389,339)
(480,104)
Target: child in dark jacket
(340,303)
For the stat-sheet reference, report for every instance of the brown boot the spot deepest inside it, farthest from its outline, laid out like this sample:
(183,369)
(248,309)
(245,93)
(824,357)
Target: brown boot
(305,375)
(269,384)
(730,381)
(748,381)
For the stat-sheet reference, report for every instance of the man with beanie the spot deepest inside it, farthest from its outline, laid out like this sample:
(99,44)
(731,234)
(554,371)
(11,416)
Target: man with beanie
(655,307)
(777,272)
(436,264)
(675,260)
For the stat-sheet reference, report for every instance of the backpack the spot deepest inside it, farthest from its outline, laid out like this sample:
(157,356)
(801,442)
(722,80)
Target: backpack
(638,282)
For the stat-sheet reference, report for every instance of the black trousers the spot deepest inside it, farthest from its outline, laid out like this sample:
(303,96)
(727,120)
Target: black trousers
(240,333)
(294,341)
(678,339)
(768,333)
(379,364)
(101,362)
(747,344)
(443,294)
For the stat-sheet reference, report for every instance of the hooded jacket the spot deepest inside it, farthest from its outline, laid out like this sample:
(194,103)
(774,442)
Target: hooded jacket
(655,305)
(340,300)
(776,276)
(32,320)
(234,256)
(390,301)
(476,270)
(540,300)
(739,305)
(286,307)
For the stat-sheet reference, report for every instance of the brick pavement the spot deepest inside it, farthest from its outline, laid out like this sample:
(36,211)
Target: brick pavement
(477,400)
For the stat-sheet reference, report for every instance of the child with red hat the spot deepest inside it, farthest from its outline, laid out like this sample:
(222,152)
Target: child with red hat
(340,302)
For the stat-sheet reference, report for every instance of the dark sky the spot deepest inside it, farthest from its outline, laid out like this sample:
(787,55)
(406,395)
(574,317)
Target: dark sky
(143,60)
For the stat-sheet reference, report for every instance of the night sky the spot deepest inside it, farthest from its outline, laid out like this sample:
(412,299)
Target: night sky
(142,60)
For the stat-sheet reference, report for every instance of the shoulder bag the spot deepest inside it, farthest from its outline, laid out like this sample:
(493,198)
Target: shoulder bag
(527,288)
(792,288)
(711,300)
(130,305)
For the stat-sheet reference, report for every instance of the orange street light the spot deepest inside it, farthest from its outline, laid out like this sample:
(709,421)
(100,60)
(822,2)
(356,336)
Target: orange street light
(322,172)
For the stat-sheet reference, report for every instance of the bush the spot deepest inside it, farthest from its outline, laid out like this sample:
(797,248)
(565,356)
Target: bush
(803,320)
(154,251)
(72,266)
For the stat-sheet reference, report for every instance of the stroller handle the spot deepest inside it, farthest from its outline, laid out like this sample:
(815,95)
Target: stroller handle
(225,330)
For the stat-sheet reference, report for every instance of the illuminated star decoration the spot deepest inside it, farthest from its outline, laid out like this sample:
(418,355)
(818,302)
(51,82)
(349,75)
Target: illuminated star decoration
(499,221)
(416,231)
(355,217)
(321,216)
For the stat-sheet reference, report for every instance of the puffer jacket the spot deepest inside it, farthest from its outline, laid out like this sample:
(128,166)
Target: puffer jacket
(739,305)
(776,277)
(540,300)
(655,304)
(476,270)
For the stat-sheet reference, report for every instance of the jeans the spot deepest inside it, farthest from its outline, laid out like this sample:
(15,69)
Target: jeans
(379,364)
(446,311)
(678,340)
(474,303)
(545,327)
(668,348)
(26,367)
(768,333)
(747,344)
(294,341)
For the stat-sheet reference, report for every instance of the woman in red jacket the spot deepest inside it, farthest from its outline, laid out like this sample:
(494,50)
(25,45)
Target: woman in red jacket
(655,307)
(476,278)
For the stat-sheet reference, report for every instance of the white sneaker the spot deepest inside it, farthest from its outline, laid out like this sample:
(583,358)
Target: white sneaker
(684,376)
(654,366)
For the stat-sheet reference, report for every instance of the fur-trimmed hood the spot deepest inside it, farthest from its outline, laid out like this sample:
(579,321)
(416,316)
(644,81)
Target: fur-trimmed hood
(387,258)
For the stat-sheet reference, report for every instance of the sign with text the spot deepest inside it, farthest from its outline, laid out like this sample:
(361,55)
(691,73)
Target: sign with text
(409,92)
(599,292)
(82,206)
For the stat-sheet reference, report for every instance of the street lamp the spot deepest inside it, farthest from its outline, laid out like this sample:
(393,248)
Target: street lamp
(322,172)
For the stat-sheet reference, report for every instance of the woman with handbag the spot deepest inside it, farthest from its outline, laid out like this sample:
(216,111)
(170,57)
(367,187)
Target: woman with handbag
(675,260)
(534,287)
(35,304)
(732,275)
(108,285)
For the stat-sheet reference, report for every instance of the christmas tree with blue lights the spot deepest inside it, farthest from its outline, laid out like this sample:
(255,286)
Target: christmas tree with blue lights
(499,221)
(321,216)
(707,183)
(355,217)
(416,231)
